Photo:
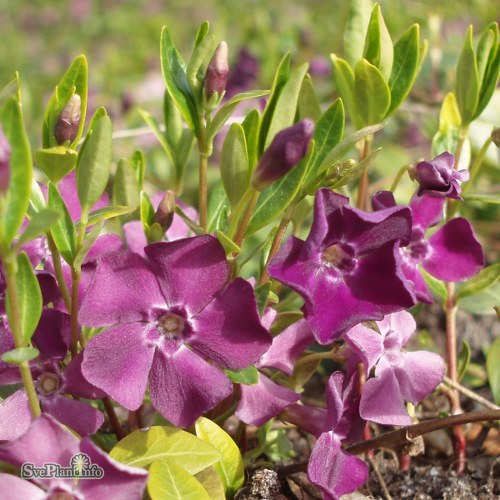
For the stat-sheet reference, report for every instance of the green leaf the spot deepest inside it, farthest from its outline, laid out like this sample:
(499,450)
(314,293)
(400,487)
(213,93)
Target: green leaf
(19,192)
(192,225)
(229,245)
(449,116)
(74,81)
(493,369)
(487,43)
(155,128)
(216,204)
(39,223)
(286,104)
(88,242)
(327,134)
(20,355)
(201,33)
(173,123)
(482,281)
(174,74)
(212,482)
(138,166)
(234,164)
(56,162)
(405,66)
(246,376)
(378,44)
(463,360)
(63,231)
(126,190)
(483,302)
(168,480)
(29,297)
(251,125)
(356,27)
(199,61)
(230,468)
(227,109)
(94,161)
(353,172)
(280,78)
(493,199)
(37,199)
(262,295)
(10,90)
(146,210)
(437,286)
(467,81)
(108,212)
(343,77)
(373,96)
(308,103)
(276,198)
(165,444)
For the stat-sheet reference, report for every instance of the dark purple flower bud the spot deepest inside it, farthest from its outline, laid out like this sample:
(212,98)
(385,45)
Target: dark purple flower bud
(67,124)
(495,137)
(164,215)
(439,178)
(287,148)
(216,76)
(5,153)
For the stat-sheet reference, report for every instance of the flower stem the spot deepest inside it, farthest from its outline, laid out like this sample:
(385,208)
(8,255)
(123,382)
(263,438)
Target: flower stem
(363,181)
(203,174)
(56,259)
(10,268)
(113,419)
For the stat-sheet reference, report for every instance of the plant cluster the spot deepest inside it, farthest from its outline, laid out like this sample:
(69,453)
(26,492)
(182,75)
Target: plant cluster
(141,307)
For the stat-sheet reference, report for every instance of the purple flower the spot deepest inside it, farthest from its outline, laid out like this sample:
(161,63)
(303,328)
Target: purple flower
(47,442)
(217,71)
(453,253)
(176,322)
(348,269)
(330,468)
(399,376)
(439,178)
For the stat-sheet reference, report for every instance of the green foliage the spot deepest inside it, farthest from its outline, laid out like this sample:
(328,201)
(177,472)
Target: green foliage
(482,281)
(56,162)
(41,222)
(20,355)
(246,376)
(493,369)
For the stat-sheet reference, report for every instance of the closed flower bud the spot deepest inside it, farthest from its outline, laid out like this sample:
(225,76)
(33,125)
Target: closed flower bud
(165,212)
(67,125)
(216,76)
(287,148)
(495,137)
(5,153)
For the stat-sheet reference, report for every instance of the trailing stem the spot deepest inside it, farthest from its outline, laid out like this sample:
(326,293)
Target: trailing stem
(203,176)
(363,181)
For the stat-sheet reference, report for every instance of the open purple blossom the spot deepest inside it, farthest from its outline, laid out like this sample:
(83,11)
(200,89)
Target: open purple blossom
(439,178)
(453,253)
(52,383)
(176,322)
(399,376)
(44,442)
(330,468)
(349,268)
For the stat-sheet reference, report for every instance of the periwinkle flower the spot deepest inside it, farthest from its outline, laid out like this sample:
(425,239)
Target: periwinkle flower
(348,269)
(176,321)
(287,148)
(453,253)
(68,123)
(5,154)
(439,178)
(399,376)
(217,71)
(46,442)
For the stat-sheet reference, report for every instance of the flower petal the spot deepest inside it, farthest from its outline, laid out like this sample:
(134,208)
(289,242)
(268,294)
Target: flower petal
(20,489)
(15,416)
(401,323)
(366,343)
(190,271)
(183,386)
(118,361)
(455,252)
(124,290)
(74,383)
(427,210)
(52,335)
(412,273)
(263,401)
(228,331)
(135,237)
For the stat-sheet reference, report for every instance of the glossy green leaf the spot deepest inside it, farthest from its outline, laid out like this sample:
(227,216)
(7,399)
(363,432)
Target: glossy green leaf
(109,212)
(327,134)
(94,162)
(173,122)
(201,33)
(63,231)
(308,103)
(378,49)
(343,77)
(286,104)
(234,164)
(174,74)
(493,199)
(74,81)
(146,210)
(218,201)
(19,192)
(482,281)
(280,79)
(20,355)
(487,43)
(449,116)
(405,66)
(165,444)
(10,90)
(56,162)
(212,482)
(227,109)
(463,360)
(29,297)
(483,302)
(467,81)
(246,376)
(493,369)
(199,61)
(356,27)
(229,245)
(276,198)
(155,128)
(138,163)
(373,96)
(88,243)
(251,125)
(126,190)
(170,481)
(230,468)
(37,199)
(437,286)
(39,223)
